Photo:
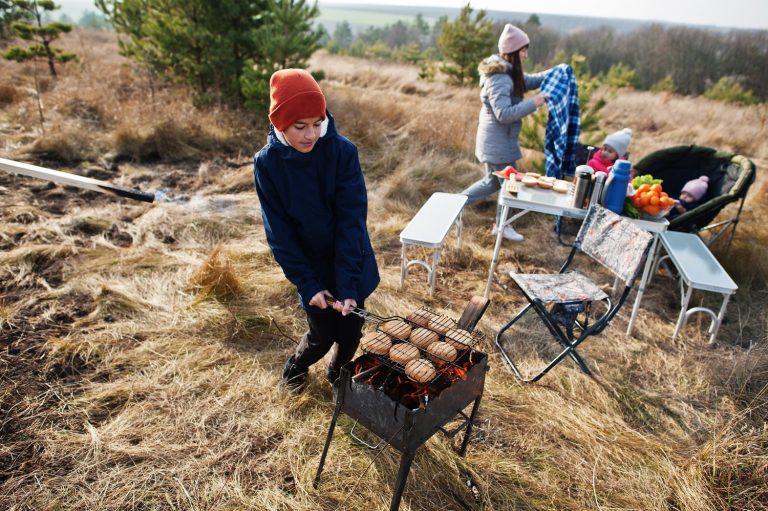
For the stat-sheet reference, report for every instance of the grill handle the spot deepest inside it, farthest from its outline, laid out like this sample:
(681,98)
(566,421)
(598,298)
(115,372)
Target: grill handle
(368,316)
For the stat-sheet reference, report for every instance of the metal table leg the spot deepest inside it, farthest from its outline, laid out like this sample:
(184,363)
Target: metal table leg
(716,324)
(497,246)
(403,267)
(643,281)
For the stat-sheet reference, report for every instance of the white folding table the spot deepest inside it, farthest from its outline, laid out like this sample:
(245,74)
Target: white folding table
(429,228)
(535,199)
(698,270)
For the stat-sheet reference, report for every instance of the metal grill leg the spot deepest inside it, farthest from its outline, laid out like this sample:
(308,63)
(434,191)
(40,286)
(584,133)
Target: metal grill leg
(468,431)
(402,476)
(343,381)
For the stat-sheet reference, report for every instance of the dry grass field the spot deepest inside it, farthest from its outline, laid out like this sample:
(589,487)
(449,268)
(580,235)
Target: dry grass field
(140,344)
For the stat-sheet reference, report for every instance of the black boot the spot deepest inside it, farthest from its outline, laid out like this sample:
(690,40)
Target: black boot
(332,375)
(294,376)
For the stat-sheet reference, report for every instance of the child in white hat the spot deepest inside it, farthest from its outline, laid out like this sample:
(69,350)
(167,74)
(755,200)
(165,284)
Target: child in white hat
(615,146)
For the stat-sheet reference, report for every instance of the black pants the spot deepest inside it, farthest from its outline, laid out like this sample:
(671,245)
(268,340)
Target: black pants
(325,329)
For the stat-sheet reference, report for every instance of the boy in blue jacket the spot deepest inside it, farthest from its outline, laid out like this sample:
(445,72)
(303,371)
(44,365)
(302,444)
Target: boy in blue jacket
(314,208)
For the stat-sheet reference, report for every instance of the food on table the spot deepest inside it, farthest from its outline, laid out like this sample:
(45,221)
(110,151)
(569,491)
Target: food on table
(530,181)
(403,353)
(545,183)
(441,353)
(508,172)
(420,370)
(376,343)
(423,337)
(459,338)
(441,324)
(396,328)
(650,199)
(560,186)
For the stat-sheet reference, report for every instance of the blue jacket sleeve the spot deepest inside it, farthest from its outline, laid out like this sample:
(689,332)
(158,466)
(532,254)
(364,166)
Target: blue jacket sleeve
(351,217)
(283,239)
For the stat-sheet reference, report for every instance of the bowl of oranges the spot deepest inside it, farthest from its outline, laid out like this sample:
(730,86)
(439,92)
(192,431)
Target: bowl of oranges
(652,201)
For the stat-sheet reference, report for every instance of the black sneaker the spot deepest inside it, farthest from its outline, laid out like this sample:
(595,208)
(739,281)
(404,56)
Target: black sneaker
(294,376)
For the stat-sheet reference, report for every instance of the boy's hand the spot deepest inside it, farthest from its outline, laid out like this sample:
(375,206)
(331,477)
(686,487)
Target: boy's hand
(345,307)
(540,99)
(319,300)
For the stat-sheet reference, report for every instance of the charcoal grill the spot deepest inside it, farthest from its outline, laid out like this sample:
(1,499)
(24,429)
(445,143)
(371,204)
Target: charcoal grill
(404,414)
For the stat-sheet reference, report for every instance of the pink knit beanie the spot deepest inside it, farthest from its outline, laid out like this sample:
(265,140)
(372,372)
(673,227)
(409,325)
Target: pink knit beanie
(512,39)
(697,187)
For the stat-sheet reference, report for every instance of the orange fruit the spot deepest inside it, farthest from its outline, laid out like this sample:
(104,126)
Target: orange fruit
(643,188)
(654,200)
(656,188)
(652,210)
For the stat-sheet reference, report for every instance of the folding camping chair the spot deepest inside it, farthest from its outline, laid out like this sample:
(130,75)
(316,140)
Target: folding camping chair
(569,307)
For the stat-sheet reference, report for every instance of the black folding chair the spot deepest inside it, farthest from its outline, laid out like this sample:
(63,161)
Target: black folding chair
(568,307)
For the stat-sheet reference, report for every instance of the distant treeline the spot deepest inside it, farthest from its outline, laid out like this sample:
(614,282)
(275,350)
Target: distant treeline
(678,59)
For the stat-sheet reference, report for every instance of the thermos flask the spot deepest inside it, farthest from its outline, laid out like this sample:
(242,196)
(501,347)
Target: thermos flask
(582,186)
(597,189)
(616,186)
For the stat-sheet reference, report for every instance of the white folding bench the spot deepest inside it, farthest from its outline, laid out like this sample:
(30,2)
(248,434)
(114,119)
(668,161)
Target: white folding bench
(698,269)
(429,228)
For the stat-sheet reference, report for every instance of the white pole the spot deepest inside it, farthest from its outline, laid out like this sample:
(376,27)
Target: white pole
(25,169)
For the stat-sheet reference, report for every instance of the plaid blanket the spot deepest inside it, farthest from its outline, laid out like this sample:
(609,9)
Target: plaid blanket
(563,125)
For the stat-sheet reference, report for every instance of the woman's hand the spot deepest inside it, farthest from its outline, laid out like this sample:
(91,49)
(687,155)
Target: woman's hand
(540,99)
(319,300)
(345,307)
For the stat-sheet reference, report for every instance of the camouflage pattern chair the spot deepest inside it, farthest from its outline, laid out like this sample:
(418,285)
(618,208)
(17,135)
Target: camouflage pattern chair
(571,306)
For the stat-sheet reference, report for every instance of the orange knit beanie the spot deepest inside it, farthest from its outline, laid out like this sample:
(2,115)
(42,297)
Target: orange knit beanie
(294,95)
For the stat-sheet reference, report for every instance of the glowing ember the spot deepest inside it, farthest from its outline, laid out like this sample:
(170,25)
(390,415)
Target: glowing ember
(370,370)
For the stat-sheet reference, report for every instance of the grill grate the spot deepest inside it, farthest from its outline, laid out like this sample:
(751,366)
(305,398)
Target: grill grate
(408,336)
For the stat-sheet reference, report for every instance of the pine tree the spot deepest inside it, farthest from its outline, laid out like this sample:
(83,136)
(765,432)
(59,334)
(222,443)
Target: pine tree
(464,42)
(9,13)
(40,34)
(286,39)
(213,46)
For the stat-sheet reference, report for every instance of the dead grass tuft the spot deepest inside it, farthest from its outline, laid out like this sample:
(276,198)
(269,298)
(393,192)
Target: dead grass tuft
(63,146)
(215,278)
(88,111)
(8,94)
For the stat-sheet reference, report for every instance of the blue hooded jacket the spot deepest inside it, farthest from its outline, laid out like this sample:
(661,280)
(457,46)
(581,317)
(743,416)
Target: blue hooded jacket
(315,207)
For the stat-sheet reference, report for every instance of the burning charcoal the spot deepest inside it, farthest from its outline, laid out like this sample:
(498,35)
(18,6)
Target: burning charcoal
(377,343)
(459,339)
(403,353)
(441,324)
(421,317)
(423,337)
(441,353)
(396,328)
(420,370)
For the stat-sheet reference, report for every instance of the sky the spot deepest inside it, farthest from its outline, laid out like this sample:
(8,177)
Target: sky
(725,13)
